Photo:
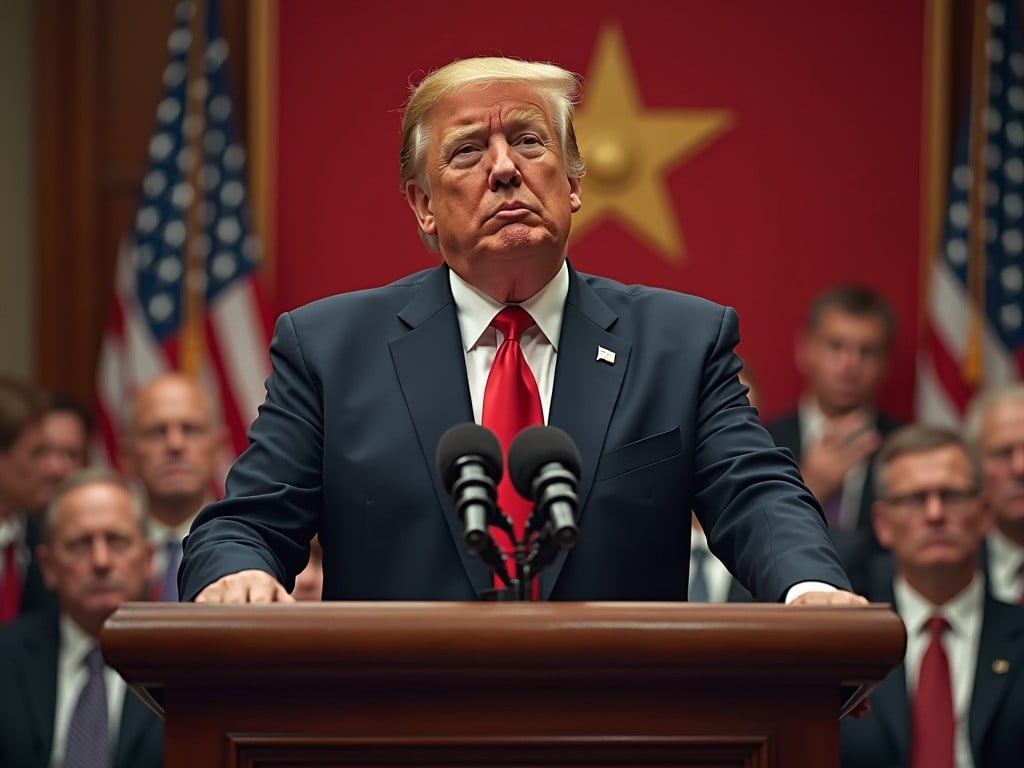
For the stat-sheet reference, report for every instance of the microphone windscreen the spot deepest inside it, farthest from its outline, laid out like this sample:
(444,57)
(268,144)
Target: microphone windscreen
(467,439)
(533,448)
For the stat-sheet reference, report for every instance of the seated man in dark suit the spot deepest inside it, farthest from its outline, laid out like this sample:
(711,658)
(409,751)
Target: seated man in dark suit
(958,698)
(835,429)
(23,460)
(59,703)
(995,425)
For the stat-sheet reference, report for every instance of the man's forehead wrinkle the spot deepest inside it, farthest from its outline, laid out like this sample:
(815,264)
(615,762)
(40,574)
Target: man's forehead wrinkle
(515,117)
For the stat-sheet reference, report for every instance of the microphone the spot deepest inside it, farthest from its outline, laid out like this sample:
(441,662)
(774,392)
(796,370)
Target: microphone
(469,463)
(544,464)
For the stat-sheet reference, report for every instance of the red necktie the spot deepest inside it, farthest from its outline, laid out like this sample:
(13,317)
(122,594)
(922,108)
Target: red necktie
(511,404)
(10,589)
(1020,581)
(933,725)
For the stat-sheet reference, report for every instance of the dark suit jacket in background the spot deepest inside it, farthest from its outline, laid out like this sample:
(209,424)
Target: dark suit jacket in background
(28,698)
(881,739)
(36,597)
(365,384)
(859,545)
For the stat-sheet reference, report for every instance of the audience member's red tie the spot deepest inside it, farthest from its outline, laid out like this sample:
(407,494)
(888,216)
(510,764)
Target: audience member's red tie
(511,404)
(1020,581)
(933,724)
(10,589)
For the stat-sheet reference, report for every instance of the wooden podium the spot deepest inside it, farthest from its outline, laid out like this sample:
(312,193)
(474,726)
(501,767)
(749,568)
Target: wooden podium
(502,684)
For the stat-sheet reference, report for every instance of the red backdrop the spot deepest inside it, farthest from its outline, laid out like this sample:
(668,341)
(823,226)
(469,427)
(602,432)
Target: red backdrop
(816,181)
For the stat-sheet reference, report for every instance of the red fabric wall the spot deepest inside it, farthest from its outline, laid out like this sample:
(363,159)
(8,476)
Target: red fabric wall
(816,181)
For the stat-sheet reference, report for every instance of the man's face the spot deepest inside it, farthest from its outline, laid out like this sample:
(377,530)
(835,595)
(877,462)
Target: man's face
(21,471)
(1002,461)
(496,192)
(844,360)
(96,556)
(923,529)
(174,445)
(65,449)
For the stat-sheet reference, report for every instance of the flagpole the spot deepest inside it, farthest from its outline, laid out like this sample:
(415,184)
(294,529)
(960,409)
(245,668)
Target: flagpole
(973,367)
(263,45)
(193,287)
(935,143)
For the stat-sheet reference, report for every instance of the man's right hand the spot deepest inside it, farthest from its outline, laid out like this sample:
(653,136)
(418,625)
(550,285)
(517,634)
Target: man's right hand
(846,441)
(245,587)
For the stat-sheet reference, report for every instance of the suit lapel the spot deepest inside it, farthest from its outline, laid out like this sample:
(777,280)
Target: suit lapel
(39,681)
(431,368)
(999,651)
(586,387)
(136,718)
(891,710)
(889,702)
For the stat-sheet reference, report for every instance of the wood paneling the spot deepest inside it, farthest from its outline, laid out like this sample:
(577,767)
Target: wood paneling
(98,71)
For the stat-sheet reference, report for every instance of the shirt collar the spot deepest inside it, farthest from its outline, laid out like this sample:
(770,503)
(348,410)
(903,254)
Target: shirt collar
(158,532)
(476,310)
(915,609)
(75,642)
(1004,554)
(813,421)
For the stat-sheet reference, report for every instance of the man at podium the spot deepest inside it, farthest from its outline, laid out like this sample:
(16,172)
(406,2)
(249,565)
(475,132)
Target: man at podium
(643,380)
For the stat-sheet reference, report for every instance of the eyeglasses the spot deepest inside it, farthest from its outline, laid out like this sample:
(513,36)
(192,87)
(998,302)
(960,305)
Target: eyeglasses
(950,498)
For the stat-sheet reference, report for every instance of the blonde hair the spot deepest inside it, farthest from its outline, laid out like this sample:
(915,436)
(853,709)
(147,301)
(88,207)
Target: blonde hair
(560,88)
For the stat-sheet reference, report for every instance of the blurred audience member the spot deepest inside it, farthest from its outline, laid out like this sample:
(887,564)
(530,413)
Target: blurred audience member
(21,470)
(59,702)
(995,424)
(173,450)
(309,585)
(836,428)
(67,430)
(958,697)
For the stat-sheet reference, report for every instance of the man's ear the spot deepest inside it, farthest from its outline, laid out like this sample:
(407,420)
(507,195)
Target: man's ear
(419,201)
(575,201)
(44,559)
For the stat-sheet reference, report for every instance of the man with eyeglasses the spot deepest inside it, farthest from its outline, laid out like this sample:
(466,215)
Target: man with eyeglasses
(958,698)
(995,424)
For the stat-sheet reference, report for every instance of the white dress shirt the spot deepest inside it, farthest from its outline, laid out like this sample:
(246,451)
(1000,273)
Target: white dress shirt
(964,614)
(480,341)
(813,424)
(158,535)
(476,310)
(72,675)
(1005,561)
(718,578)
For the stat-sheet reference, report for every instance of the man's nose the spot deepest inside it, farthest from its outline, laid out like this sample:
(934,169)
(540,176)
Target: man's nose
(100,555)
(504,171)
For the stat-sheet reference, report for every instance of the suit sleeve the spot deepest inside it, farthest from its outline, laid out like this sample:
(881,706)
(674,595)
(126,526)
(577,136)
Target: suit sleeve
(760,518)
(273,499)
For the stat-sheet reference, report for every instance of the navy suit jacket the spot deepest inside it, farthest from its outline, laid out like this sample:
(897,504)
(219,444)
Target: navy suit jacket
(881,739)
(365,384)
(28,698)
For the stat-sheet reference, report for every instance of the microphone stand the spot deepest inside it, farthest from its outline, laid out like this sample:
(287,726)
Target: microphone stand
(534,552)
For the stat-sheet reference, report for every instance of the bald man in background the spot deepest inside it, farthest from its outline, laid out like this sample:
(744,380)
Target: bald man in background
(175,445)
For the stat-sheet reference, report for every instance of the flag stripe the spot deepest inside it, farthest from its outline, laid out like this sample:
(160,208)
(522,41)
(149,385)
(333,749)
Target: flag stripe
(143,338)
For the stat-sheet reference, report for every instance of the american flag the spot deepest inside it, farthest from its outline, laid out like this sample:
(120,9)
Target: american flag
(974,330)
(196,169)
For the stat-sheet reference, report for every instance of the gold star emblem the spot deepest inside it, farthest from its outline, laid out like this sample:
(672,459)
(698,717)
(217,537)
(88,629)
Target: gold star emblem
(629,149)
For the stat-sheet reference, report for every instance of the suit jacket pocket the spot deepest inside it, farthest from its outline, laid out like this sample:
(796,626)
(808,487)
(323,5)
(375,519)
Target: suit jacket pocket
(639,454)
